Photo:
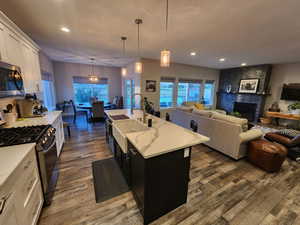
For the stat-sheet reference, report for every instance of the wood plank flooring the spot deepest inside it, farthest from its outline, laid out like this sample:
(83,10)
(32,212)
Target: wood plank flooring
(221,191)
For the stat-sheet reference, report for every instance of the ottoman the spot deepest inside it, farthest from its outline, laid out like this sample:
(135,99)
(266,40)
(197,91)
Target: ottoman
(268,156)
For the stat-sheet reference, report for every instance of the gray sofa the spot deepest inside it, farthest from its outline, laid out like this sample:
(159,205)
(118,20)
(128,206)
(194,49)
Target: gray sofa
(227,134)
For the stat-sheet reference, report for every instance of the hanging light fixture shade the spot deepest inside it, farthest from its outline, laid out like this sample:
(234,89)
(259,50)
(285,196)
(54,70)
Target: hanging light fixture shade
(165,54)
(92,76)
(138,67)
(165,58)
(124,69)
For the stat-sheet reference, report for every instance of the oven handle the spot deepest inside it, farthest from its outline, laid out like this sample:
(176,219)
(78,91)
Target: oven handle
(48,149)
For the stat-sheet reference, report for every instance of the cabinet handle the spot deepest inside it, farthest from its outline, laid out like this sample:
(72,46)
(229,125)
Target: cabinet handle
(2,203)
(27,165)
(132,151)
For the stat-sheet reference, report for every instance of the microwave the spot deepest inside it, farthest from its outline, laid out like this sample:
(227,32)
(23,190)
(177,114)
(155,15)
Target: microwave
(11,81)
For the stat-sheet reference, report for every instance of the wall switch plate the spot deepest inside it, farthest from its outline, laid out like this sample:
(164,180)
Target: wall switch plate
(186,152)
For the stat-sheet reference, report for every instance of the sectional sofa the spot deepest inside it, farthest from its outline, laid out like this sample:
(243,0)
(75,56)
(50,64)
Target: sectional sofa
(227,134)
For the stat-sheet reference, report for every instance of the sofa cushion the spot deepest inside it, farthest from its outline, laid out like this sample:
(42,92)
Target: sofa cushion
(189,104)
(206,113)
(185,108)
(232,119)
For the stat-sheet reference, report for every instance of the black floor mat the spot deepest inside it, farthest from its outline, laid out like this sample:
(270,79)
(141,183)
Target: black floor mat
(108,180)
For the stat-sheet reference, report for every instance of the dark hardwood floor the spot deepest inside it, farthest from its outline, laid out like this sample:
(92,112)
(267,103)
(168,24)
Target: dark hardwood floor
(221,191)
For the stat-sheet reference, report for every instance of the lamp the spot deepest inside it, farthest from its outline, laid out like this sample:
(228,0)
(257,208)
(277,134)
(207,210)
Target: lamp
(165,54)
(138,66)
(92,76)
(124,69)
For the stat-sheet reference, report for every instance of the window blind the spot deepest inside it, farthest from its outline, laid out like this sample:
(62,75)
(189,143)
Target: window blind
(184,80)
(167,79)
(209,81)
(47,76)
(86,80)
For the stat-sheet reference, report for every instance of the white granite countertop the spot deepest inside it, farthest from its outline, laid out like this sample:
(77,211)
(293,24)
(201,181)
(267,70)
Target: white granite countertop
(162,137)
(48,118)
(10,158)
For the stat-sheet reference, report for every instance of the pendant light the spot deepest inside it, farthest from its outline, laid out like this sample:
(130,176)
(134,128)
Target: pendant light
(92,76)
(124,69)
(165,54)
(138,67)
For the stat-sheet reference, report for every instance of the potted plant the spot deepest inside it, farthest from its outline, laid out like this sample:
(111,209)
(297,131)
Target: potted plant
(294,108)
(236,114)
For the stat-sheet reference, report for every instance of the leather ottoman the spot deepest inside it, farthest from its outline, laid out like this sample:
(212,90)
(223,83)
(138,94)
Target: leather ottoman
(266,155)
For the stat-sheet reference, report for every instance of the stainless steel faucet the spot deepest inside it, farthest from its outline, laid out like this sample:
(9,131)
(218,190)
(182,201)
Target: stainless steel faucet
(142,106)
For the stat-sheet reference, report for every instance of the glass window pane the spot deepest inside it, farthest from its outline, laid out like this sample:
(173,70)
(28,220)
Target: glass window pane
(48,94)
(188,92)
(208,94)
(84,92)
(166,94)
(128,93)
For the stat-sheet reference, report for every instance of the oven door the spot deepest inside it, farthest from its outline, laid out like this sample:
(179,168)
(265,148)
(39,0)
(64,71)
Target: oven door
(49,174)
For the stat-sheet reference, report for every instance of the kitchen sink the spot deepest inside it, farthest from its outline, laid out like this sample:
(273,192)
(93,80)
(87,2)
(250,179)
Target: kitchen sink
(123,127)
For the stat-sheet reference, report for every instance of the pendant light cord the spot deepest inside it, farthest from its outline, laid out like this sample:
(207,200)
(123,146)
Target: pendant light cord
(138,36)
(167,16)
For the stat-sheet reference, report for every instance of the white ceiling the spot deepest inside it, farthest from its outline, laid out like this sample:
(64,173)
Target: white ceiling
(252,31)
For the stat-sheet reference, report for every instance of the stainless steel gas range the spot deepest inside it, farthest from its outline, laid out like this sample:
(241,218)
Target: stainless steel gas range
(44,137)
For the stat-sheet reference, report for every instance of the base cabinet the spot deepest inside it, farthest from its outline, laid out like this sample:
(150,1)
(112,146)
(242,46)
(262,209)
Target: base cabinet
(159,184)
(21,195)
(59,133)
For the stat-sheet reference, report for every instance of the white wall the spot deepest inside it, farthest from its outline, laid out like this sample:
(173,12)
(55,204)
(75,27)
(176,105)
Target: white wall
(282,73)
(64,72)
(153,71)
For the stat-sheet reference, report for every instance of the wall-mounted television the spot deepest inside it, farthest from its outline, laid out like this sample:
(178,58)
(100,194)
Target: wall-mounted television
(291,92)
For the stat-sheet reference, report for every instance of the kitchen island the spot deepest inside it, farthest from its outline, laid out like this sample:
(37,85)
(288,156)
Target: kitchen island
(155,161)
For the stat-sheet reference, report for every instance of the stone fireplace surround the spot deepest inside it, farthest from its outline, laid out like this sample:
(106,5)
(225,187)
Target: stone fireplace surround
(226,101)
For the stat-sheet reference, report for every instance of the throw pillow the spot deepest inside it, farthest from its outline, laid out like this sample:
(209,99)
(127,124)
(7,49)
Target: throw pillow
(199,106)
(290,133)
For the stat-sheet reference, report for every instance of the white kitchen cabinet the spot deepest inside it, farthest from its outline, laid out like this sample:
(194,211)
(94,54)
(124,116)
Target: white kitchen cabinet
(3,53)
(59,135)
(18,49)
(14,49)
(22,193)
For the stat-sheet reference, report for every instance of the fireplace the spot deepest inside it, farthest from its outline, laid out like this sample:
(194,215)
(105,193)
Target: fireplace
(247,110)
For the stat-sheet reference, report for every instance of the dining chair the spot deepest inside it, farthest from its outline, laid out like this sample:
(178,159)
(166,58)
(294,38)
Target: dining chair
(97,110)
(71,104)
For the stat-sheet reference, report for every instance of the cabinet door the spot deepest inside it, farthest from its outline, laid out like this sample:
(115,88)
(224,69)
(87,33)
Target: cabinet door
(8,215)
(27,70)
(14,49)
(137,176)
(3,52)
(36,72)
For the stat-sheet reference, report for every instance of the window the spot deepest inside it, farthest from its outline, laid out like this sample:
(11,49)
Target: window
(166,94)
(209,92)
(129,88)
(48,94)
(188,91)
(84,90)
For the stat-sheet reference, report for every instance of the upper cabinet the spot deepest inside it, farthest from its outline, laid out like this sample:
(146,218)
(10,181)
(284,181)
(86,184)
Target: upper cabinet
(18,49)
(3,53)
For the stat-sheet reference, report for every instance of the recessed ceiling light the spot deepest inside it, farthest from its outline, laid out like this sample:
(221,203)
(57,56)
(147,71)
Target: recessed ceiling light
(65,29)
(193,53)
(222,59)
(244,64)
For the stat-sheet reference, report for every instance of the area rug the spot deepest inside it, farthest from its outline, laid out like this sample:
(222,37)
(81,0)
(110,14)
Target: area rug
(108,180)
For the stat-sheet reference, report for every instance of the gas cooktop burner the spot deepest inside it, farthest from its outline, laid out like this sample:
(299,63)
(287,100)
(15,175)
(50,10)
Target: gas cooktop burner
(21,135)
